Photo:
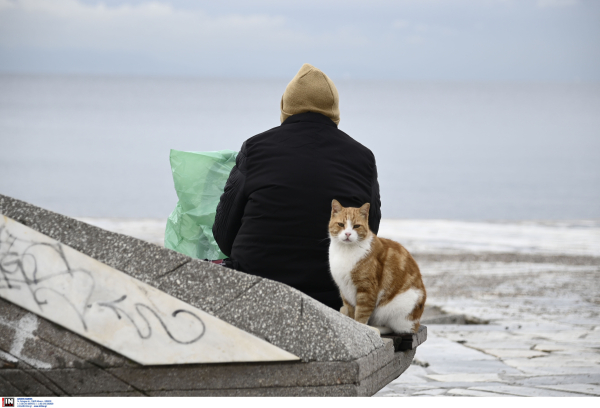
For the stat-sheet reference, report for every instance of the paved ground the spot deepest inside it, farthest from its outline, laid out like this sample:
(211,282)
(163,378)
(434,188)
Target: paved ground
(542,301)
(536,284)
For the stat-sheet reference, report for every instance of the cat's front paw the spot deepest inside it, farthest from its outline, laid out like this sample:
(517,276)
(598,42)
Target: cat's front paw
(375,329)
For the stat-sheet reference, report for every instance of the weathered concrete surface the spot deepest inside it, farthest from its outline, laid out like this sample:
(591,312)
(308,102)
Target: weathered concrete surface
(111,308)
(275,312)
(339,356)
(40,359)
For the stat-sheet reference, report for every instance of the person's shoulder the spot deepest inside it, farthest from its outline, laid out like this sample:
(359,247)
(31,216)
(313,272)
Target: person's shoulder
(256,139)
(362,149)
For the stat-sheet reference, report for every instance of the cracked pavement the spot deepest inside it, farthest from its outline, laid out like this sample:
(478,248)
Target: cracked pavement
(542,302)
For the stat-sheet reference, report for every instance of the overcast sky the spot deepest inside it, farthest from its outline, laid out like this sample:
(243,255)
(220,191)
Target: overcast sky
(456,40)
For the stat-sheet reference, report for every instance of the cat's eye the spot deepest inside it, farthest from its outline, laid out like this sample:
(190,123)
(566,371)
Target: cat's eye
(356,226)
(341,224)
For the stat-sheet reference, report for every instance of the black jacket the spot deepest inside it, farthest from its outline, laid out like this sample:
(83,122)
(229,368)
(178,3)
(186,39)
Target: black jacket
(272,219)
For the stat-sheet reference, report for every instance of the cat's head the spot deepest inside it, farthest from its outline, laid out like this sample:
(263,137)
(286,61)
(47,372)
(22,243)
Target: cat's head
(349,225)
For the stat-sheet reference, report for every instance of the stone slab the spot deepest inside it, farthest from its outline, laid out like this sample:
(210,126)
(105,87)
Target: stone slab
(440,349)
(326,391)
(114,394)
(466,377)
(559,346)
(25,383)
(365,376)
(311,330)
(410,388)
(60,338)
(258,306)
(37,375)
(373,383)
(114,309)
(19,341)
(407,341)
(219,286)
(589,389)
(473,393)
(431,392)
(338,355)
(505,345)
(275,379)
(524,391)
(7,388)
(413,375)
(513,353)
(556,379)
(472,367)
(562,371)
(135,257)
(86,381)
(550,361)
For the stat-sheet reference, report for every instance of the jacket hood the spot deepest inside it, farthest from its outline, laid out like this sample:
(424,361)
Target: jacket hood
(310,91)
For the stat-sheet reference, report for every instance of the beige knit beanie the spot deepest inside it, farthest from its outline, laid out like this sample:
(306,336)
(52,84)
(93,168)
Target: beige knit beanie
(310,91)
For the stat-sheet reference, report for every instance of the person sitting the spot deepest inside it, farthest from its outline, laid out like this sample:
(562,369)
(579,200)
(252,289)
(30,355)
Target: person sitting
(272,219)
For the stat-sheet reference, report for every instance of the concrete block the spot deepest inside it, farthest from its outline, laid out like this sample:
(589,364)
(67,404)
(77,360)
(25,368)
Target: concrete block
(407,341)
(26,383)
(338,355)
(414,374)
(378,379)
(63,339)
(272,379)
(296,323)
(115,394)
(270,310)
(237,376)
(329,391)
(32,372)
(19,339)
(8,389)
(327,335)
(86,381)
(205,285)
(140,259)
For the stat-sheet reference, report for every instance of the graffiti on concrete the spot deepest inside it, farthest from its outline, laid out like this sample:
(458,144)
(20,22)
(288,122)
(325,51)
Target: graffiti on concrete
(110,307)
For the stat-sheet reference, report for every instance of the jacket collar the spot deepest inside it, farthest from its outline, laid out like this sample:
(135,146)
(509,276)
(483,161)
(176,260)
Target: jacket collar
(309,117)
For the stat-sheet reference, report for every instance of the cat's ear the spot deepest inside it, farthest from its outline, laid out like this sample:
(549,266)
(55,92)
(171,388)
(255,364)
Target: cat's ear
(364,210)
(336,207)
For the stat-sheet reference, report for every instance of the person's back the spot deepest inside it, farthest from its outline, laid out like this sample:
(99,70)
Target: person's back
(273,217)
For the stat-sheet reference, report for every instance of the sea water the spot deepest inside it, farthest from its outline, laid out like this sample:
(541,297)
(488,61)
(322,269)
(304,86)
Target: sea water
(99,146)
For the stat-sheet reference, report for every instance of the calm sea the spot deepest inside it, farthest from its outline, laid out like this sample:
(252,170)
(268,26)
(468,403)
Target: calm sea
(98,146)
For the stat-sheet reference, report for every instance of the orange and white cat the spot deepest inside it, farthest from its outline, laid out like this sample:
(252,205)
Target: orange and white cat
(379,281)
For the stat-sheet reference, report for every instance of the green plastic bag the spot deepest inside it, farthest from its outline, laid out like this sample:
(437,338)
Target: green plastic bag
(199,179)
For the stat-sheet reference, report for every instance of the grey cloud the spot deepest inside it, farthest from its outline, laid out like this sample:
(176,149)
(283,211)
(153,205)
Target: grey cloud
(410,39)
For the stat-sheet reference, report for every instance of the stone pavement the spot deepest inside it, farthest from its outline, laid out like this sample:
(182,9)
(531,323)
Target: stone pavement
(535,284)
(542,336)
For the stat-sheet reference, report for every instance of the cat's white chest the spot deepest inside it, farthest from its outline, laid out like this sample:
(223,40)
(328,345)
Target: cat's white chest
(342,260)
